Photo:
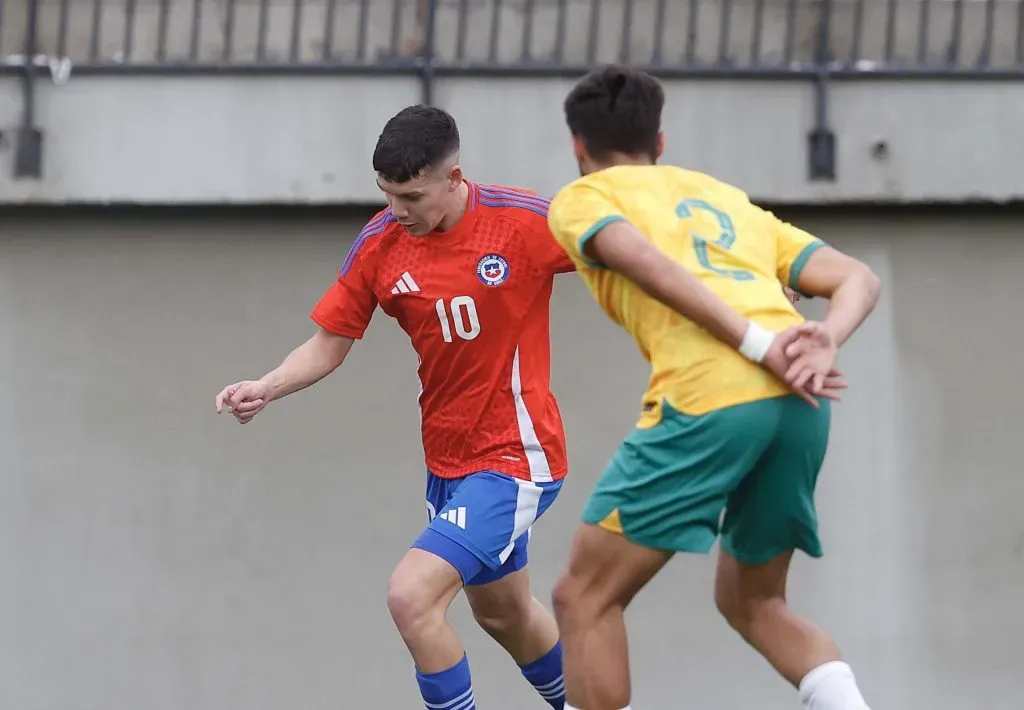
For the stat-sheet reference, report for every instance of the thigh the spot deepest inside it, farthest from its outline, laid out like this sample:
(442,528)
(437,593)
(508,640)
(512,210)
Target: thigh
(666,486)
(737,585)
(510,595)
(483,526)
(605,570)
(422,581)
(773,511)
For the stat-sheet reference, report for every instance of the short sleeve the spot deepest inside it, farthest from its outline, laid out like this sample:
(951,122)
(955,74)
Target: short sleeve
(558,262)
(348,304)
(548,255)
(578,212)
(794,247)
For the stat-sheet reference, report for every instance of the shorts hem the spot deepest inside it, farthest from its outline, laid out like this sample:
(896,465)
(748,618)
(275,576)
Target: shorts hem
(466,545)
(421,544)
(688,548)
(590,519)
(762,557)
(653,543)
(492,575)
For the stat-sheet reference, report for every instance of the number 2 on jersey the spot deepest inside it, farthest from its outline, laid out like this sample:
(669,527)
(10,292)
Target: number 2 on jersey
(726,239)
(464,316)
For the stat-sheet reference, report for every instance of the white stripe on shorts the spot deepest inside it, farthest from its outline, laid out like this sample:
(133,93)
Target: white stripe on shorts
(527,506)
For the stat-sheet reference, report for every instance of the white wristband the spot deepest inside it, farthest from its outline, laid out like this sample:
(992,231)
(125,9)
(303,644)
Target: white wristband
(756,342)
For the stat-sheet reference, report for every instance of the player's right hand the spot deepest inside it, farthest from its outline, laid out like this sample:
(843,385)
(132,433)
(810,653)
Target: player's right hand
(799,357)
(812,355)
(244,399)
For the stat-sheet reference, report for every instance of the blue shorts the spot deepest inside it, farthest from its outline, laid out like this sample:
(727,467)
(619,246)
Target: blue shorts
(481,523)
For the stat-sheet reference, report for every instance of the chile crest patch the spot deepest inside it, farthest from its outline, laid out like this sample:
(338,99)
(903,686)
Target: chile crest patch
(492,270)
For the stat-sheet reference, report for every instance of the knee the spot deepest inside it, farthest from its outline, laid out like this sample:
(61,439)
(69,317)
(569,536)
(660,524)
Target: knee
(568,599)
(410,609)
(587,598)
(742,613)
(508,619)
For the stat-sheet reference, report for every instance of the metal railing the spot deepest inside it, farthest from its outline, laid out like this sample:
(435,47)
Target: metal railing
(670,37)
(812,40)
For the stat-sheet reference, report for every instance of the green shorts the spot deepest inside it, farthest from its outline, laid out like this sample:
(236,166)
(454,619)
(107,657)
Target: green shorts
(667,486)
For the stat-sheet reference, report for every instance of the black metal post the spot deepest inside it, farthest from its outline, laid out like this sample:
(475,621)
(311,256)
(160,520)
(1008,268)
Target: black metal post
(427,64)
(821,140)
(28,158)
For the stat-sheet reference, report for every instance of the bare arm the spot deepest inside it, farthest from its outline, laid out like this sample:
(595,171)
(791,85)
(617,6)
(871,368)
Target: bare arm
(307,364)
(850,285)
(621,248)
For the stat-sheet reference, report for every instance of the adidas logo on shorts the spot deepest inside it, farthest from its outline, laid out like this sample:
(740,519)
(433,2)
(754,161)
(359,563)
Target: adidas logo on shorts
(455,516)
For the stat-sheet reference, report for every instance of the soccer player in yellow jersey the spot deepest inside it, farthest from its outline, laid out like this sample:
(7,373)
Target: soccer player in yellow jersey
(695,273)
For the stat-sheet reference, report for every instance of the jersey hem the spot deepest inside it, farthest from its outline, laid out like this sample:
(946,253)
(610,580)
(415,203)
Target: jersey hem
(556,474)
(647,421)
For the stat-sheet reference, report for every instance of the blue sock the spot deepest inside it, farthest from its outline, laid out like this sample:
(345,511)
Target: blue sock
(545,674)
(450,689)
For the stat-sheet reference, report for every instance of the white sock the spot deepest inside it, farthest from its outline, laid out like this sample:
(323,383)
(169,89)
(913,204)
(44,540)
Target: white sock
(831,686)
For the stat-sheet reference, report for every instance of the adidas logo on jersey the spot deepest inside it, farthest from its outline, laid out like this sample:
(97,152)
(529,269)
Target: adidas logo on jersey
(405,285)
(455,516)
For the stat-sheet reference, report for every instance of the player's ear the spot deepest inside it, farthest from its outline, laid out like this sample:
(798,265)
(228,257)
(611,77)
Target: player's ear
(661,145)
(578,150)
(454,177)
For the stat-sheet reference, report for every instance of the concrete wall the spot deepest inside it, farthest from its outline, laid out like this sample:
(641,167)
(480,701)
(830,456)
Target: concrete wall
(154,556)
(215,140)
(285,139)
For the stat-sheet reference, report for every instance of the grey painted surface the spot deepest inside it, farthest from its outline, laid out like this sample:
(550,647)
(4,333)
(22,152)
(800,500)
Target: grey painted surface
(285,139)
(155,556)
(310,140)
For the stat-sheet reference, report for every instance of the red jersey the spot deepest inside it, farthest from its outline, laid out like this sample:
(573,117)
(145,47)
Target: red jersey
(474,301)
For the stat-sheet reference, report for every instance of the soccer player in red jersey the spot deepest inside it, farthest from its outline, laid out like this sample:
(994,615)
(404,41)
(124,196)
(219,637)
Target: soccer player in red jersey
(467,271)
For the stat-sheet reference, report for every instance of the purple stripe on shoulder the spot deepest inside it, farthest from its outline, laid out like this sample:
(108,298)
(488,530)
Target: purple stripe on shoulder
(522,192)
(542,210)
(373,228)
(375,222)
(506,193)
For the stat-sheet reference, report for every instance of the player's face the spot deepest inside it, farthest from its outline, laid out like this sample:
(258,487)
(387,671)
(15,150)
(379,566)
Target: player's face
(422,203)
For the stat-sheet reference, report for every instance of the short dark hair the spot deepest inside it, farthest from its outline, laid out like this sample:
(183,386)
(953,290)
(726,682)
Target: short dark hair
(415,139)
(616,110)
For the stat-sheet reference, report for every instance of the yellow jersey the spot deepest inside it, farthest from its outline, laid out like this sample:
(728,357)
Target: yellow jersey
(740,251)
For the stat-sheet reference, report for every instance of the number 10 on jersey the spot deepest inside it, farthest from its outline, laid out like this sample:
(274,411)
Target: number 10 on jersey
(463,317)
